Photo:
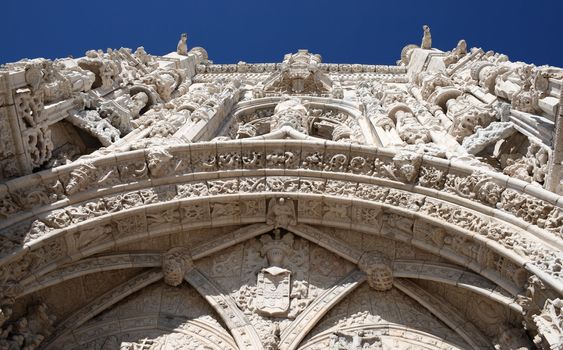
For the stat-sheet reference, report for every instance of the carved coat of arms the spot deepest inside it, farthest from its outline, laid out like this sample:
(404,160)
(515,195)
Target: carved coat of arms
(273,289)
(274,282)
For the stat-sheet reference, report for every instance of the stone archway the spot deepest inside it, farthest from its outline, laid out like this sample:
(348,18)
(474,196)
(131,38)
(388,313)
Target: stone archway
(207,281)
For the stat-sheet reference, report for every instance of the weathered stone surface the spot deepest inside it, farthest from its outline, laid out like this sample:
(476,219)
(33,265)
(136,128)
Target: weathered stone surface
(152,202)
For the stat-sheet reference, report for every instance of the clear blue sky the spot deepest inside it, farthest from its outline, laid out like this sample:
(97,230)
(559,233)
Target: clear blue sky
(263,31)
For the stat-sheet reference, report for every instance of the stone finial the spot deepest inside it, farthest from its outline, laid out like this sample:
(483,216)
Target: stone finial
(182,48)
(175,264)
(378,271)
(426,38)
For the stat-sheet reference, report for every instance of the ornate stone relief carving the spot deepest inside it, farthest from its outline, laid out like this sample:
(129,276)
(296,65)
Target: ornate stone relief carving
(357,340)
(29,331)
(464,105)
(378,270)
(175,264)
(274,282)
(467,117)
(281,212)
(549,323)
(299,74)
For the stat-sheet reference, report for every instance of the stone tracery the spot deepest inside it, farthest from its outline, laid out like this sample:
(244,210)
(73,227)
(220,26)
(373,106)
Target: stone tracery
(279,199)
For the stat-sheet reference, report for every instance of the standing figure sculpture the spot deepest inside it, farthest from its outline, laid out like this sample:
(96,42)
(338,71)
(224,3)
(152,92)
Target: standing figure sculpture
(182,48)
(426,38)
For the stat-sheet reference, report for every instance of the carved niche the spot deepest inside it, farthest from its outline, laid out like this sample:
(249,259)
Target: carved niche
(296,113)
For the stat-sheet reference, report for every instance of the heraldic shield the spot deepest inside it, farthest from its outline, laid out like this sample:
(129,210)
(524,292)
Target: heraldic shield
(273,289)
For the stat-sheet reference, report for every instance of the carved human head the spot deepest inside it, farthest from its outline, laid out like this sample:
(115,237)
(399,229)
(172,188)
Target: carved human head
(175,264)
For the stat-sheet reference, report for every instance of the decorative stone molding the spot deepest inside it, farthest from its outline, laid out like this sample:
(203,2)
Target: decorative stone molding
(330,212)
(106,173)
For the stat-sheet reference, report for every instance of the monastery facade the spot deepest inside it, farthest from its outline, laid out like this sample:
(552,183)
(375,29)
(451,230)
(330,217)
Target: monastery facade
(167,202)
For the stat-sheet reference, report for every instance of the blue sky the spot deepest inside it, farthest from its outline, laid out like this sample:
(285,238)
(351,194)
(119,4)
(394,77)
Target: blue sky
(370,32)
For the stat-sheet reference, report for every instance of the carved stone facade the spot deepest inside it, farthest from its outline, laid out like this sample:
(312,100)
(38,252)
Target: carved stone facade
(167,202)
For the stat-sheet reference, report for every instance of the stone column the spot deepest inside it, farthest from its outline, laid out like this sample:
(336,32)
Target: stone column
(555,171)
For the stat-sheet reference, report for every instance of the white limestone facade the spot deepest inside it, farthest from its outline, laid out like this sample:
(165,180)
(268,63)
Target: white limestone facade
(167,202)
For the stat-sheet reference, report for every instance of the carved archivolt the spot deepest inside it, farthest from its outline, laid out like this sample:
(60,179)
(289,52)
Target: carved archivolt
(479,191)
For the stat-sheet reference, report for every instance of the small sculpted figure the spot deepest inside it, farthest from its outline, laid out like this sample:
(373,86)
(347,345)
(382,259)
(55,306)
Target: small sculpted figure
(182,48)
(426,38)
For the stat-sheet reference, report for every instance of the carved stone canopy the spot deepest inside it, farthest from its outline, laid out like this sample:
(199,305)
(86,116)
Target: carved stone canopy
(299,74)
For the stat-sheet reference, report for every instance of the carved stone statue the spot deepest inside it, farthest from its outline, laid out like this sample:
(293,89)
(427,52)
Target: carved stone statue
(410,130)
(272,342)
(182,48)
(457,53)
(426,38)
(290,112)
(281,212)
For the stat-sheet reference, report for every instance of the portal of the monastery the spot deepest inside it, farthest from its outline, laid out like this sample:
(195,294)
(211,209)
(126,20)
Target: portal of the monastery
(167,202)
